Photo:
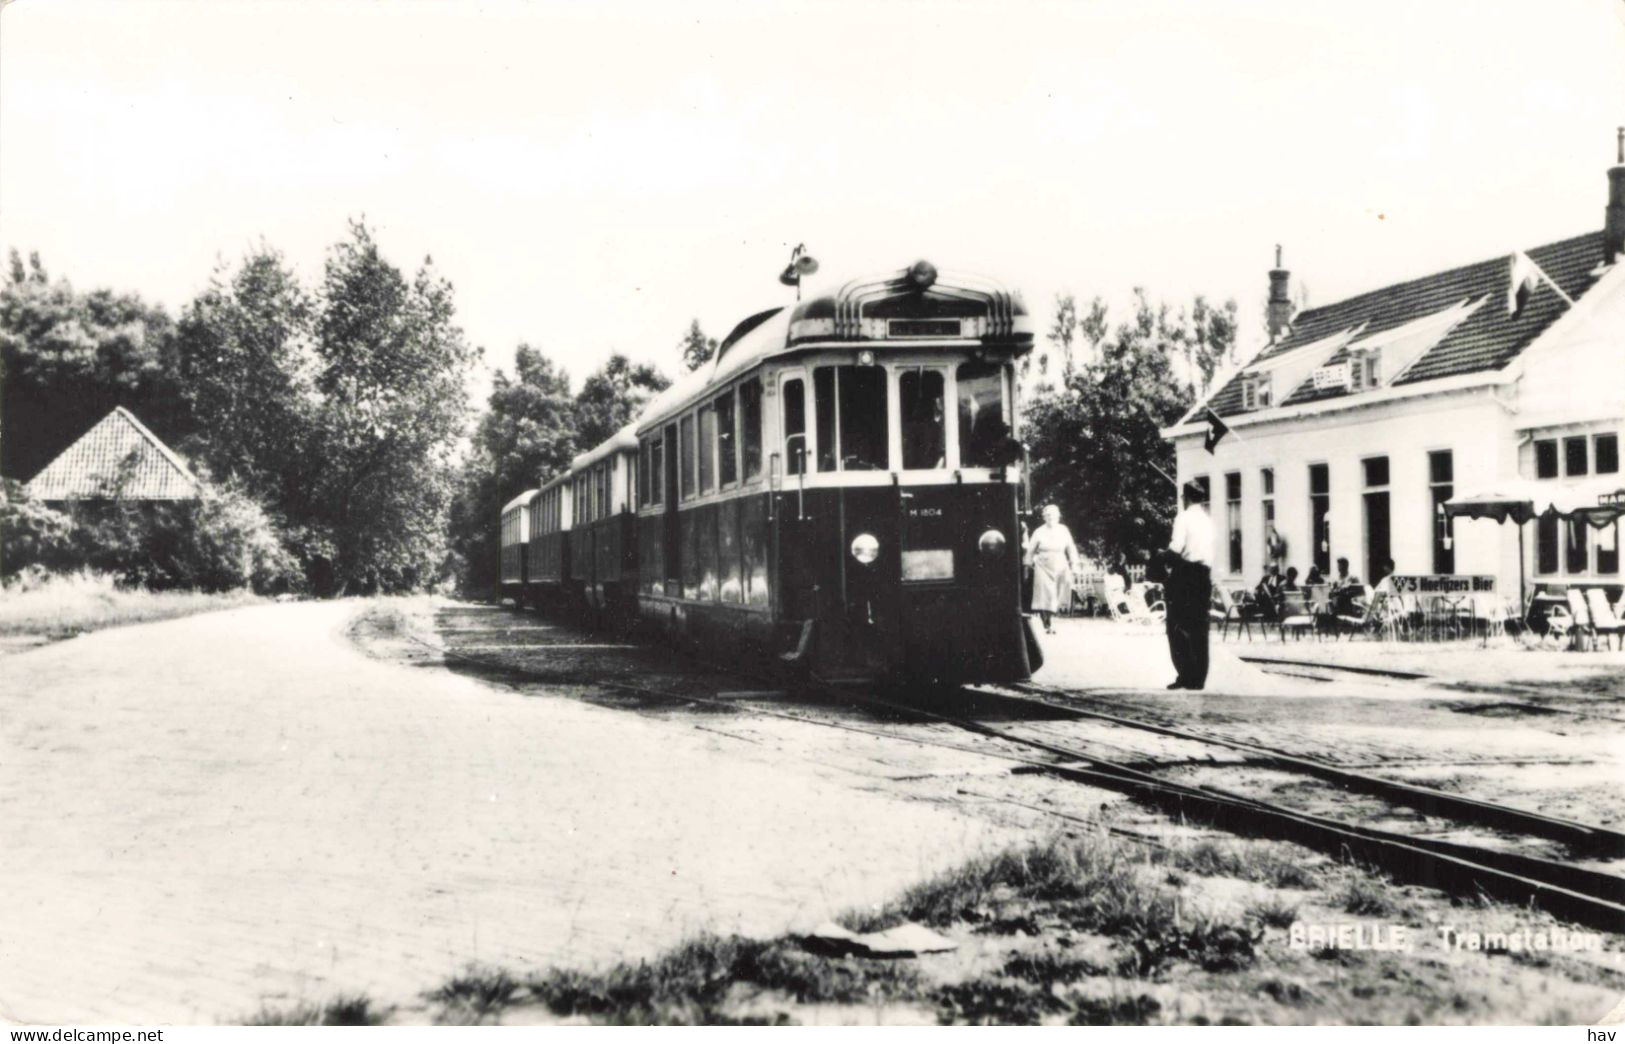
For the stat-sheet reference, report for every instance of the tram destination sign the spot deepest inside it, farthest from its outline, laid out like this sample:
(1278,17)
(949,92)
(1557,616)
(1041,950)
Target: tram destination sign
(1442,583)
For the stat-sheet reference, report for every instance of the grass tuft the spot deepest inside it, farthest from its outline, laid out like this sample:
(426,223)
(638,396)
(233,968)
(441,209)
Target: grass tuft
(476,994)
(1262,862)
(345,1010)
(1273,912)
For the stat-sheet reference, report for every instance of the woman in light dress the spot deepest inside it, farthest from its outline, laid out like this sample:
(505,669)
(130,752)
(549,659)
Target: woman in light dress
(1052,555)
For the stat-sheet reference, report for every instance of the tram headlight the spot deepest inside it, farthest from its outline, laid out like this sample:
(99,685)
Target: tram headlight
(865,548)
(991,543)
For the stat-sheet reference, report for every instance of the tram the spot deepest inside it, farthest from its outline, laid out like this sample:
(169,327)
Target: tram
(839,488)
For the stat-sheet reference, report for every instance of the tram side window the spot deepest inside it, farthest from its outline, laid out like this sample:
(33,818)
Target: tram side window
(708,447)
(795,423)
(983,429)
(657,469)
(643,473)
(685,450)
(750,427)
(925,435)
(853,400)
(727,442)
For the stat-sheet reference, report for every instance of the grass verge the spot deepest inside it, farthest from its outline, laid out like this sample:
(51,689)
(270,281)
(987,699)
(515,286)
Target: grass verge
(73,603)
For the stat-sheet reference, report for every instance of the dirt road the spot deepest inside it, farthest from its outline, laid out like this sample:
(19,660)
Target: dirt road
(202,816)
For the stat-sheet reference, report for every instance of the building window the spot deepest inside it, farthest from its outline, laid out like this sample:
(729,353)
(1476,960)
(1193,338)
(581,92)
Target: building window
(750,427)
(1608,550)
(1266,482)
(685,453)
(1546,458)
(925,432)
(1378,531)
(707,443)
(1441,486)
(727,441)
(795,426)
(1320,509)
(1232,513)
(1257,391)
(1365,369)
(1577,556)
(1546,545)
(1575,456)
(1607,454)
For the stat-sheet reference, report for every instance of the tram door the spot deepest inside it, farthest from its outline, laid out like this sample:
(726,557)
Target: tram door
(671,533)
(797,568)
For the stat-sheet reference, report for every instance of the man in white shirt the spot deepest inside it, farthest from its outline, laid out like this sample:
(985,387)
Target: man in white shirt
(1189,590)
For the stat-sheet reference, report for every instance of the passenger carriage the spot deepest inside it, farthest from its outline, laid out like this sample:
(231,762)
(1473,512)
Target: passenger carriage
(515,536)
(547,554)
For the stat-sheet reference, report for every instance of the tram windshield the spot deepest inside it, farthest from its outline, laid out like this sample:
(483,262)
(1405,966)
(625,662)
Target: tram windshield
(925,434)
(849,403)
(984,429)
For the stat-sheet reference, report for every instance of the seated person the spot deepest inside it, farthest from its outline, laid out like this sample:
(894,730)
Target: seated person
(1291,581)
(1386,584)
(1314,579)
(1267,595)
(1346,588)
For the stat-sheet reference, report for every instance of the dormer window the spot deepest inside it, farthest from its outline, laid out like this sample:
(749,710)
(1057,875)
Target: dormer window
(1256,391)
(1365,369)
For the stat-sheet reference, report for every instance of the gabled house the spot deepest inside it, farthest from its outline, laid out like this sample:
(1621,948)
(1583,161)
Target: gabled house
(1360,418)
(118,455)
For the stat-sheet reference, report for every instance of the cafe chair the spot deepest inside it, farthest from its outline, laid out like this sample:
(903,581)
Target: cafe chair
(1356,615)
(1296,614)
(1604,621)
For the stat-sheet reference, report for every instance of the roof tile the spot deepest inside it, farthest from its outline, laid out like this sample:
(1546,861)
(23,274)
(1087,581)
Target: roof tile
(87,469)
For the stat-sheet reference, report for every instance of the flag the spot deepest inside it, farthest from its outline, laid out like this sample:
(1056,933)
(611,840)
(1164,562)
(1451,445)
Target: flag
(1216,428)
(1525,274)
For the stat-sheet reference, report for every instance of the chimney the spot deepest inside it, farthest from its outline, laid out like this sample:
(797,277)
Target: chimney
(1613,224)
(1279,310)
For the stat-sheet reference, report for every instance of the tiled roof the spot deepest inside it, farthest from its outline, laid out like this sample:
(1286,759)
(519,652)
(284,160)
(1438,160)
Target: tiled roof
(1487,340)
(118,445)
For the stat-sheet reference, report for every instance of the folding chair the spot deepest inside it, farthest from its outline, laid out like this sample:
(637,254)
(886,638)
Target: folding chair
(1604,621)
(1240,610)
(1582,625)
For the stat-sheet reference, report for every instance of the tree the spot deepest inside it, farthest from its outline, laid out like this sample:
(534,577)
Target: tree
(67,358)
(390,371)
(245,355)
(697,348)
(526,437)
(1095,437)
(612,395)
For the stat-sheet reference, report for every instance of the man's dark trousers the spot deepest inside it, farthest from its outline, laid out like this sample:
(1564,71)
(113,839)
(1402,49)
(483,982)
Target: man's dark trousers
(1189,589)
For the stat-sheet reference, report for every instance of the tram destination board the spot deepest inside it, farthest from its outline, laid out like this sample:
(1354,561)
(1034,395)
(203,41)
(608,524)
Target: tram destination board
(923,328)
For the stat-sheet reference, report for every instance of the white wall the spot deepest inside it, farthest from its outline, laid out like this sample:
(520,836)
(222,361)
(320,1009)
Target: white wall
(1470,424)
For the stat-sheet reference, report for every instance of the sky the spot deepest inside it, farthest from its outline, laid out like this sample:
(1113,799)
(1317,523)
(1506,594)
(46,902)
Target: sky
(591,176)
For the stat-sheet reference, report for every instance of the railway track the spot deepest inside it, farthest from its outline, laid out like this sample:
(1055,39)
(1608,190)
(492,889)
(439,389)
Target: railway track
(1593,897)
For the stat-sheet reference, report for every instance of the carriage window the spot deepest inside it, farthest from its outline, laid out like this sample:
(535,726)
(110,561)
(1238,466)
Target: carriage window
(853,400)
(727,462)
(925,436)
(795,423)
(750,427)
(685,451)
(983,430)
(707,443)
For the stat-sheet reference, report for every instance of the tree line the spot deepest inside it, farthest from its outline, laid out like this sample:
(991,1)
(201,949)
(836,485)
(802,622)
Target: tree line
(334,424)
